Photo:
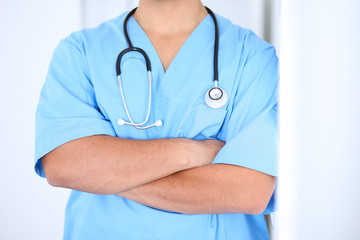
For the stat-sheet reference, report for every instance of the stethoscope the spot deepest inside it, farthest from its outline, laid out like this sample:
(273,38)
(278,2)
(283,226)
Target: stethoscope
(215,97)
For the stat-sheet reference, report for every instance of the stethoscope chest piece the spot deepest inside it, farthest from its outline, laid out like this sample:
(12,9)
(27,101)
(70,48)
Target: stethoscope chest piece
(216,97)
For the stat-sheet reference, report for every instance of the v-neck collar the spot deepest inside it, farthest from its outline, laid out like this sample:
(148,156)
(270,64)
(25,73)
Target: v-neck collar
(200,35)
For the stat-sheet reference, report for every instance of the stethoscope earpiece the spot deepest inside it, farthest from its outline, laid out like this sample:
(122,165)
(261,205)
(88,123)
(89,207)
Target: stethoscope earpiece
(158,123)
(121,122)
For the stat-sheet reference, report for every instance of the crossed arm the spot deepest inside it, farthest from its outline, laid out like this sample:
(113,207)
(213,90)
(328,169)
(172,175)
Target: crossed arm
(170,174)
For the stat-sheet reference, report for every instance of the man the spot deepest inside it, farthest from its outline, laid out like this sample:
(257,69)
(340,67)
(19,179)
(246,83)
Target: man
(179,180)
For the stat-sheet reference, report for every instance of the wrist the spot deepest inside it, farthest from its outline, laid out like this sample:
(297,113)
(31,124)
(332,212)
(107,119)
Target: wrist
(194,153)
(183,152)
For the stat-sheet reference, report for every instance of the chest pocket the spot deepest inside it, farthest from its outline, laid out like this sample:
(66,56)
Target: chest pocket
(202,123)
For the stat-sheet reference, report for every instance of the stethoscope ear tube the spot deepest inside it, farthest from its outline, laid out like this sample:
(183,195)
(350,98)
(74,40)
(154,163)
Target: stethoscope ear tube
(131,123)
(132,49)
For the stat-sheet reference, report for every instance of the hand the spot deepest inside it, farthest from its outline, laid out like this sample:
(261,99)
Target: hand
(212,147)
(203,152)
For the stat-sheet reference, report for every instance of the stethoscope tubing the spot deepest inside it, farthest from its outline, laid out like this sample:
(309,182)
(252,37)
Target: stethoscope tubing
(125,27)
(137,125)
(210,101)
(132,49)
(216,45)
(148,65)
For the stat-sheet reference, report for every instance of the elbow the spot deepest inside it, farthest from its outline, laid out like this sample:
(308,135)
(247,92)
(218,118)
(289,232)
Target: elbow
(259,195)
(54,173)
(253,204)
(56,180)
(61,172)
(257,207)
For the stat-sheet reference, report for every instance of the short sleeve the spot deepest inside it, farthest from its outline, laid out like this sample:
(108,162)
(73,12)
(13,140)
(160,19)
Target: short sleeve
(251,130)
(67,107)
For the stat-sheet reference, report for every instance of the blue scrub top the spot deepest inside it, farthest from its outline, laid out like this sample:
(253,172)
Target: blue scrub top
(81,98)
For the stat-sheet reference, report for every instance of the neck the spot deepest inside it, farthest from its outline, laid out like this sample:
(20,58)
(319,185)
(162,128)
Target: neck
(167,17)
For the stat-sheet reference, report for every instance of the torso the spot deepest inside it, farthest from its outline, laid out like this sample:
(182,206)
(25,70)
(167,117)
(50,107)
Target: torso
(178,100)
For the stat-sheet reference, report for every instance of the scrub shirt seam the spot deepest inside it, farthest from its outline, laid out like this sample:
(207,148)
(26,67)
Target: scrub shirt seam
(232,97)
(87,73)
(253,52)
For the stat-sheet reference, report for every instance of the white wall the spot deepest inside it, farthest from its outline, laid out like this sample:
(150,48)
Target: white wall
(30,30)
(95,12)
(246,13)
(319,191)
(30,208)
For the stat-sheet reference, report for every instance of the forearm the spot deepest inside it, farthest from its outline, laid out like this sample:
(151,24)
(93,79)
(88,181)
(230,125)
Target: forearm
(210,189)
(106,165)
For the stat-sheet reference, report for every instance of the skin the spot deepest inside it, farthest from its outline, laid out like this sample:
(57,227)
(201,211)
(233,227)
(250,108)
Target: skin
(170,174)
(168,23)
(108,165)
(211,189)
